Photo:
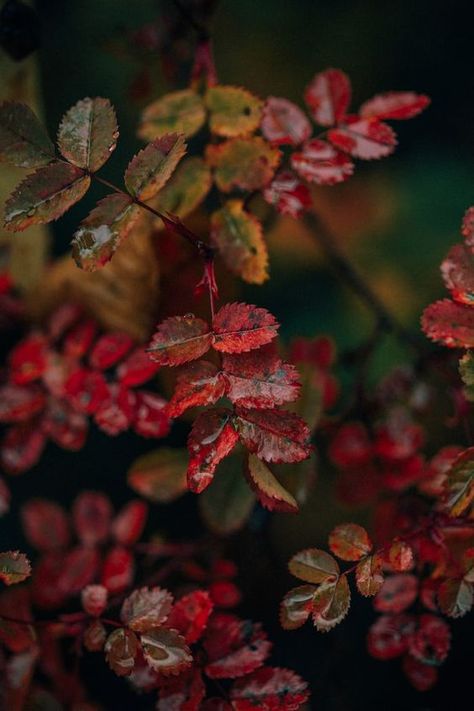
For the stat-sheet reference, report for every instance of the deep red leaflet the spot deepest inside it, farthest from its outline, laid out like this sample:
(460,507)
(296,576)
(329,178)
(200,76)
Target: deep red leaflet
(64,426)
(398,593)
(86,390)
(116,412)
(22,447)
(180,339)
(284,123)
(241,327)
(185,692)
(234,647)
(45,524)
(151,417)
(288,194)
(390,635)
(128,525)
(118,570)
(394,105)
(137,368)
(211,439)
(20,402)
(368,139)
(190,615)
(109,349)
(92,516)
(449,323)
(319,162)
(431,642)
(269,688)
(80,567)
(199,383)
(328,96)
(79,339)
(273,435)
(28,359)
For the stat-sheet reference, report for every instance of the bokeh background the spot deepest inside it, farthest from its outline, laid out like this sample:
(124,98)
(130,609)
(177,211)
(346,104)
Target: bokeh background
(396,219)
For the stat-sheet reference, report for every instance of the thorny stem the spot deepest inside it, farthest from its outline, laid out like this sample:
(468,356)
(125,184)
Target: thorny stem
(385,320)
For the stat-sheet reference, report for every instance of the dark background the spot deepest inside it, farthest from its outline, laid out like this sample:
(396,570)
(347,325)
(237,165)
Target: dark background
(399,217)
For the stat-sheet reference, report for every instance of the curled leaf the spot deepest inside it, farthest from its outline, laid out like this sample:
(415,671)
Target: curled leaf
(211,439)
(271,494)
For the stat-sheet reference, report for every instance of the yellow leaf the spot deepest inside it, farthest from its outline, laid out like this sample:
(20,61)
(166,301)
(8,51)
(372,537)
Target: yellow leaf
(233,111)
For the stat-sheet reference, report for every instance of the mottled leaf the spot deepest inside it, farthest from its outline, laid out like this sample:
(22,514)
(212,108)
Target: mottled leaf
(239,237)
(14,567)
(273,435)
(284,123)
(368,139)
(242,327)
(397,593)
(269,689)
(211,439)
(288,194)
(198,384)
(23,140)
(146,608)
(457,270)
(180,111)
(160,475)
(152,167)
(45,195)
(233,111)
(328,96)
(180,339)
(88,133)
(190,615)
(314,566)
(243,163)
(349,541)
(449,323)
(234,647)
(296,606)
(394,105)
(121,648)
(166,651)
(319,162)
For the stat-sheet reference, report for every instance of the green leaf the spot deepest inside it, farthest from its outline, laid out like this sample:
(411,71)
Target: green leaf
(331,603)
(460,483)
(239,238)
(160,475)
(228,502)
(88,133)
(186,189)
(233,111)
(296,607)
(14,567)
(314,566)
(23,140)
(243,163)
(101,232)
(271,494)
(180,111)
(152,167)
(45,195)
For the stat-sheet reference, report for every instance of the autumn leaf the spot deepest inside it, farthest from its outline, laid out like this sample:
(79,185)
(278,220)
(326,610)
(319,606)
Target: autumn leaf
(457,270)
(331,603)
(45,525)
(227,503)
(328,96)
(92,516)
(160,475)
(273,435)
(127,526)
(397,593)
(271,494)
(455,597)
(240,327)
(165,651)
(198,384)
(180,111)
(152,167)
(400,556)
(314,566)
(467,227)
(211,439)
(369,576)
(19,403)
(449,323)
(368,139)
(288,194)
(233,111)
(239,237)
(186,189)
(296,607)
(269,688)
(234,647)
(190,615)
(284,123)
(460,483)
(88,133)
(14,567)
(23,140)
(243,163)
(146,608)
(102,231)
(109,349)
(186,692)
(319,162)
(349,541)
(180,339)
(394,105)
(45,195)
(121,648)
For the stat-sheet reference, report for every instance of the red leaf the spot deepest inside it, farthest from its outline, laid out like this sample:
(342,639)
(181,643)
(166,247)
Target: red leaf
(184,693)
(389,636)
(320,163)
(137,368)
(86,390)
(397,593)
(109,349)
(199,383)
(211,439)
(14,567)
(242,327)
(288,194)
(116,412)
(28,359)
(421,676)
(431,641)
(129,523)
(46,592)
(118,570)
(349,541)
(274,435)
(234,647)
(78,341)
(62,319)
(260,379)
(225,594)
(449,323)
(45,525)
(151,415)
(284,123)
(66,427)
(19,402)
(92,514)
(351,446)
(368,139)
(94,599)
(270,689)
(146,608)
(457,270)
(328,96)
(21,448)
(80,567)
(394,105)
(467,227)
(180,339)
(190,615)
